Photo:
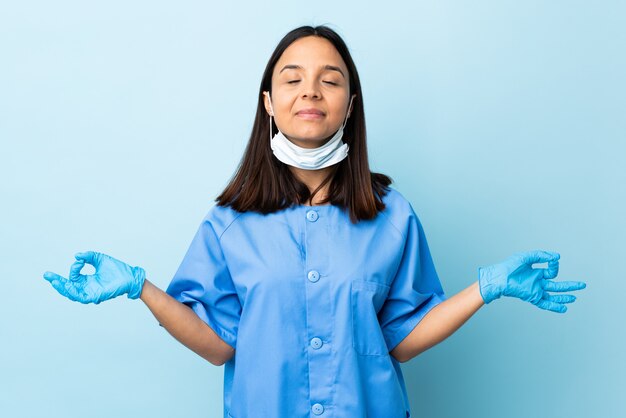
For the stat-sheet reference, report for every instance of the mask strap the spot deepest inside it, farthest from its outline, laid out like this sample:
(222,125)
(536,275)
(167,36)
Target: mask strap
(345,122)
(271,113)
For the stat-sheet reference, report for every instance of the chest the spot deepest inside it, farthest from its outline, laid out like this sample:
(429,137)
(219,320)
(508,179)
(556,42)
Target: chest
(273,254)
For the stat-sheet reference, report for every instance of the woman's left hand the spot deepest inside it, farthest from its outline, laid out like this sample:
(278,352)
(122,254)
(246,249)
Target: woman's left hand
(516,277)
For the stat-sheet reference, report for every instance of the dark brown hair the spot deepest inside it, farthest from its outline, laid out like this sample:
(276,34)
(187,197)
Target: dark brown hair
(264,184)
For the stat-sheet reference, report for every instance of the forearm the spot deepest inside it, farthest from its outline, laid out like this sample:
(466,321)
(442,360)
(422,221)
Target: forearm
(184,325)
(440,322)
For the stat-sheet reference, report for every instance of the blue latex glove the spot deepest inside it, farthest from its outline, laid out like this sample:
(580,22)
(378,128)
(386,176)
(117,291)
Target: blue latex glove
(516,277)
(112,278)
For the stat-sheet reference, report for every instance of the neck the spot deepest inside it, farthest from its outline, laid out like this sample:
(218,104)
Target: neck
(312,179)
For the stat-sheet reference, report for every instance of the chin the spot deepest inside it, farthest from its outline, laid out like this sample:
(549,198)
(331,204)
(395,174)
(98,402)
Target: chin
(312,140)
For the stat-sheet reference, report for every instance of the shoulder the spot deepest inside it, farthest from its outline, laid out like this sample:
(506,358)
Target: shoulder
(398,211)
(395,200)
(220,218)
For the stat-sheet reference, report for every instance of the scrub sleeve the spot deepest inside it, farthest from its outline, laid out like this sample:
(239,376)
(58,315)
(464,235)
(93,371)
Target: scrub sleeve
(415,289)
(204,283)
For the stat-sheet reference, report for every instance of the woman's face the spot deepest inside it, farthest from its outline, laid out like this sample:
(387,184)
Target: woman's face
(310,92)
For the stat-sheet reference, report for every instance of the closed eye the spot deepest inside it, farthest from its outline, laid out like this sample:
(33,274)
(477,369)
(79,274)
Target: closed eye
(295,81)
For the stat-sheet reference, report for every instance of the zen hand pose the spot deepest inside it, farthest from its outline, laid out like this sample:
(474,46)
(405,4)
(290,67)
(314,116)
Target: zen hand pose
(112,278)
(514,277)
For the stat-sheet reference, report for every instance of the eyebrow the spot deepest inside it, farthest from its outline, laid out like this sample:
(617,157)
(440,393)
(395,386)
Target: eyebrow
(326,67)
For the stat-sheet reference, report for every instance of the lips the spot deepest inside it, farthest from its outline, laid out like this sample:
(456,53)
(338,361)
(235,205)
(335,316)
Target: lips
(310,111)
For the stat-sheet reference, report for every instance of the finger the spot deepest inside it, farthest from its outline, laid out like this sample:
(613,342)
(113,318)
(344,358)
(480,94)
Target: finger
(551,306)
(62,285)
(74,294)
(551,286)
(559,298)
(49,276)
(75,270)
(552,270)
(539,256)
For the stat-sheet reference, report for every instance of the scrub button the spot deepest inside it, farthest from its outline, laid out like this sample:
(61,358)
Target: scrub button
(317,409)
(311,215)
(316,343)
(313,276)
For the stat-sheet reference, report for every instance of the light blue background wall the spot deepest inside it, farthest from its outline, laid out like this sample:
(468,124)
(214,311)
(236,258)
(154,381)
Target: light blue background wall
(503,122)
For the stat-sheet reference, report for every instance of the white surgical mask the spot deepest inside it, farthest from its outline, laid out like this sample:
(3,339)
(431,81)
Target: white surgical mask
(328,154)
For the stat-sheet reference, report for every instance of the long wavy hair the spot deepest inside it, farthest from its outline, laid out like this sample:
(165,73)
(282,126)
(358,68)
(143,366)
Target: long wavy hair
(264,184)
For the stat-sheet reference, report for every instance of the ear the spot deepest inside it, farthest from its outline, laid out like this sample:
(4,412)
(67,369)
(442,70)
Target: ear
(266,102)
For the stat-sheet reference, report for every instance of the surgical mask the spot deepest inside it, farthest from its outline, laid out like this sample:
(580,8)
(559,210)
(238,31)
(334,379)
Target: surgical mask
(328,154)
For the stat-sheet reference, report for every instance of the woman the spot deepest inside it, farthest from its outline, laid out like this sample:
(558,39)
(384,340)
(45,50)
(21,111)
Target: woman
(311,279)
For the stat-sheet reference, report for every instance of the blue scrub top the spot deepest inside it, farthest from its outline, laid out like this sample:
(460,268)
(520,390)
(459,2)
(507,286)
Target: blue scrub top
(312,304)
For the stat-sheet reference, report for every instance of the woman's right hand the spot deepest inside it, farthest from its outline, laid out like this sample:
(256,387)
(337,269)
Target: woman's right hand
(111,279)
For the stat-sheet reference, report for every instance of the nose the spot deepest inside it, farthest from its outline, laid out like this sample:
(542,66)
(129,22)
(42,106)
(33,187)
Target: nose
(310,90)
